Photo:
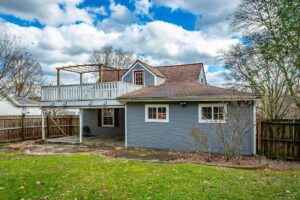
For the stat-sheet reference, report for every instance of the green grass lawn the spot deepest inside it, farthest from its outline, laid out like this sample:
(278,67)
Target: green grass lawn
(92,177)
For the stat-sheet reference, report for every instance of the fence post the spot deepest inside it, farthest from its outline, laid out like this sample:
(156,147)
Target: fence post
(23,126)
(259,137)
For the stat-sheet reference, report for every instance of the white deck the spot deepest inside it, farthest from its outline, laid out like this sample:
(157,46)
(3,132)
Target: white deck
(86,95)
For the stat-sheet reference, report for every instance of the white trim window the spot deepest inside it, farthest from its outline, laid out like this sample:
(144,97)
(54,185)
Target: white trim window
(108,117)
(139,77)
(212,113)
(157,113)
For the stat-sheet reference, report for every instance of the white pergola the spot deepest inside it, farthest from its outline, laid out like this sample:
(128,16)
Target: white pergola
(79,69)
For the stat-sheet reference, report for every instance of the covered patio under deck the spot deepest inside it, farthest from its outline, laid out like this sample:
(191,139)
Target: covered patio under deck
(101,113)
(103,126)
(89,141)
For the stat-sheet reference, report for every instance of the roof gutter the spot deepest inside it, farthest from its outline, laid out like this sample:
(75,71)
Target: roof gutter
(204,98)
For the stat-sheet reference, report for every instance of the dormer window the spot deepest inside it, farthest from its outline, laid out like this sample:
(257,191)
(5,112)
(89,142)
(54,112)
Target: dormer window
(139,77)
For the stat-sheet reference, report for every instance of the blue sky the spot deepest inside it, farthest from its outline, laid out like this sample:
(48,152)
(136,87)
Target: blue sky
(62,32)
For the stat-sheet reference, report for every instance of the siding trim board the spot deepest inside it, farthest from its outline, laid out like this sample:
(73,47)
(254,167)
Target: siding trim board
(125,125)
(254,128)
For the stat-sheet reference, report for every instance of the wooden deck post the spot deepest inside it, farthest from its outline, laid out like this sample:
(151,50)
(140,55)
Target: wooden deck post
(80,78)
(100,73)
(58,82)
(43,125)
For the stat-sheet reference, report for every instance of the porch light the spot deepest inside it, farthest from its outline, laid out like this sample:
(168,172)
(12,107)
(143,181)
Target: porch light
(183,104)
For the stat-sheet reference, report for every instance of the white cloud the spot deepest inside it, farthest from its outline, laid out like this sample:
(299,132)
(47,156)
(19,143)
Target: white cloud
(161,42)
(142,7)
(119,18)
(217,78)
(97,10)
(212,14)
(49,12)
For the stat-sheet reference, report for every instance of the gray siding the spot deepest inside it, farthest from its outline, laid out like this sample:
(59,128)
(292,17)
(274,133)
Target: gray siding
(149,78)
(90,118)
(174,134)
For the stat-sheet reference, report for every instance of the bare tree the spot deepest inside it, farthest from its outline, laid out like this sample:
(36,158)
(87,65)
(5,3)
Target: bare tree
(275,25)
(255,72)
(201,140)
(236,124)
(7,52)
(239,125)
(20,73)
(116,58)
(26,74)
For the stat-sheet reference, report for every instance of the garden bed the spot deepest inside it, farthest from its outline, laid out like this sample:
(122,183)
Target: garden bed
(245,162)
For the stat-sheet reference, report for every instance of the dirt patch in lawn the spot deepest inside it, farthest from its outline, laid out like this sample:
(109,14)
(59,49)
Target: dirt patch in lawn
(244,162)
(36,147)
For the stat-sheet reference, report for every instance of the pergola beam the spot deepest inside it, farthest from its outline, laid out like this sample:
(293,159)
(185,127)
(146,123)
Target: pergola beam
(85,68)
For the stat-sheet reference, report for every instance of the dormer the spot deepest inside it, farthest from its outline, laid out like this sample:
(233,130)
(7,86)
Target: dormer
(142,74)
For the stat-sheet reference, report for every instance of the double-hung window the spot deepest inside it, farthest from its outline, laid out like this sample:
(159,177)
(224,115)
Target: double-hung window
(108,117)
(139,77)
(212,113)
(157,113)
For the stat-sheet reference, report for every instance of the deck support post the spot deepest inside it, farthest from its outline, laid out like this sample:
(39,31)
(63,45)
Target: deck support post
(80,124)
(43,125)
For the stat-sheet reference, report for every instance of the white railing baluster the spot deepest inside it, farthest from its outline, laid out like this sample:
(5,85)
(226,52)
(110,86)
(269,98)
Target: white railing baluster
(96,91)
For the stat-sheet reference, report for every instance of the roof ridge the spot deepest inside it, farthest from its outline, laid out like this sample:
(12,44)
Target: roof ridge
(178,65)
(154,70)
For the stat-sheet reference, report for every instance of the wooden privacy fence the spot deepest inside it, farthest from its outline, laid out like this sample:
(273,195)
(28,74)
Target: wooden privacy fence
(16,128)
(279,139)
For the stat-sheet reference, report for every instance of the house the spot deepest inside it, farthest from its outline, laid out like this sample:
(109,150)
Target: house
(18,105)
(155,107)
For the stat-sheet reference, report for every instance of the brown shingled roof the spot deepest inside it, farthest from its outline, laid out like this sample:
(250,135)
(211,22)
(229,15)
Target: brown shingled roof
(154,70)
(187,72)
(183,89)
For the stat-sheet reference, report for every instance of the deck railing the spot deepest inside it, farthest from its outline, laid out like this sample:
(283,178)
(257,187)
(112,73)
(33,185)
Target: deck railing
(94,91)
